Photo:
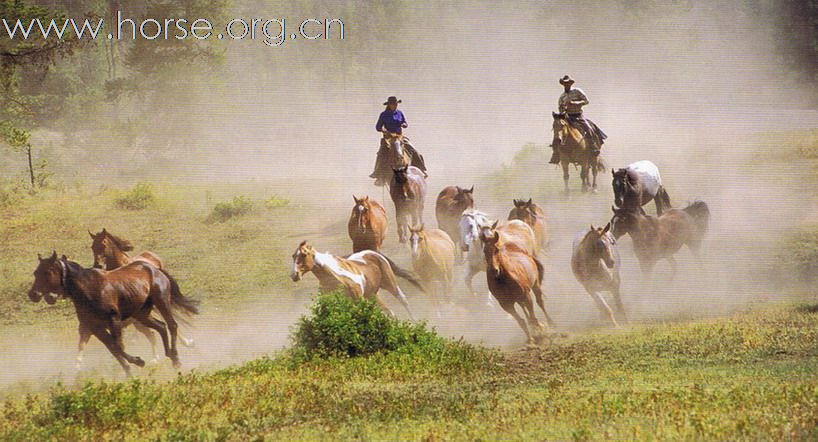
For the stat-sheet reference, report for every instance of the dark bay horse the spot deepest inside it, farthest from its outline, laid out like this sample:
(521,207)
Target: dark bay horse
(513,274)
(574,149)
(103,300)
(367,224)
(531,214)
(362,274)
(595,263)
(408,192)
(638,184)
(450,204)
(656,238)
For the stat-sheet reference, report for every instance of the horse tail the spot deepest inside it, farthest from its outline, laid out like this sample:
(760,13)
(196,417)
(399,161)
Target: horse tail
(665,198)
(180,302)
(408,275)
(601,165)
(700,213)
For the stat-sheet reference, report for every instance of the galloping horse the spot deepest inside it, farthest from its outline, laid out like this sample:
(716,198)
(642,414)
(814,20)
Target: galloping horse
(512,275)
(104,299)
(638,184)
(574,149)
(531,214)
(408,191)
(472,223)
(450,204)
(111,252)
(656,238)
(362,274)
(595,263)
(433,259)
(367,224)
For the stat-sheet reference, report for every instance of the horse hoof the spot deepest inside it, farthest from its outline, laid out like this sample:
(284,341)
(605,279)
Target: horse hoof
(176,364)
(153,361)
(594,190)
(188,342)
(139,362)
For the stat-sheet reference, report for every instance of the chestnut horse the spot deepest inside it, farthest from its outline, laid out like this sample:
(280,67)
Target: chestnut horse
(104,299)
(513,274)
(573,149)
(595,263)
(362,274)
(472,222)
(433,260)
(111,252)
(451,202)
(638,184)
(531,214)
(367,224)
(656,238)
(408,191)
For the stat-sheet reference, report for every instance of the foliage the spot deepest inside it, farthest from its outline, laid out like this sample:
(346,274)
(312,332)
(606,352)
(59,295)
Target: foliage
(238,206)
(139,198)
(339,326)
(798,258)
(276,201)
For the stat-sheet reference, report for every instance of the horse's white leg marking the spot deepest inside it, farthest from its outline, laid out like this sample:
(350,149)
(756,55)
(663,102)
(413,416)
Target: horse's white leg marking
(603,306)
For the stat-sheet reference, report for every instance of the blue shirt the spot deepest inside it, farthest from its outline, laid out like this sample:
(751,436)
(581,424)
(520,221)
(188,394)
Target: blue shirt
(392,120)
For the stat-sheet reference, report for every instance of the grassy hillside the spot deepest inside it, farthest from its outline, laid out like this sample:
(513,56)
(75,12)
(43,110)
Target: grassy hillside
(751,376)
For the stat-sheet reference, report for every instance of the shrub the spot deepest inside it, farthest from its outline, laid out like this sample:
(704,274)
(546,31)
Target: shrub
(276,201)
(240,205)
(799,257)
(338,326)
(138,198)
(10,194)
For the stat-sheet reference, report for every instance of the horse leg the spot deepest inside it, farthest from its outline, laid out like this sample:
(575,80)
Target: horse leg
(672,262)
(115,328)
(538,295)
(604,308)
(509,308)
(144,319)
(618,302)
(594,172)
(151,338)
(533,322)
(85,335)
(390,284)
(565,177)
(162,304)
(583,174)
(110,343)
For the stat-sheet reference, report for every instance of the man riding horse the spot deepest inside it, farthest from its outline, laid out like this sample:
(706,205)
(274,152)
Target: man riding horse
(391,123)
(570,104)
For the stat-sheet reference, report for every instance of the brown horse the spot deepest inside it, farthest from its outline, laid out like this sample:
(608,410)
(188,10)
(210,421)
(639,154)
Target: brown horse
(367,224)
(512,275)
(451,202)
(362,274)
(595,263)
(656,238)
(531,214)
(408,192)
(111,252)
(433,254)
(103,300)
(573,149)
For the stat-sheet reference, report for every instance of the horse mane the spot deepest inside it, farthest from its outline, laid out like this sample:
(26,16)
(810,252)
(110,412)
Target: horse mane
(123,244)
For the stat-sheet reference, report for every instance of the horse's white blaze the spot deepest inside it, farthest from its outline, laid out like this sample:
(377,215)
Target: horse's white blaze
(328,262)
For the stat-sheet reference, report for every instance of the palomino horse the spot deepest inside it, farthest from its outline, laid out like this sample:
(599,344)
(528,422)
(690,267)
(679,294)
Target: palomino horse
(398,156)
(433,260)
(408,191)
(362,274)
(573,149)
(656,238)
(367,224)
(595,263)
(450,204)
(472,222)
(512,275)
(104,299)
(111,252)
(531,214)
(638,184)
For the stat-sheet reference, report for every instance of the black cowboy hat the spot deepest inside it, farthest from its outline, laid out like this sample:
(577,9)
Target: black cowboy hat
(566,80)
(392,100)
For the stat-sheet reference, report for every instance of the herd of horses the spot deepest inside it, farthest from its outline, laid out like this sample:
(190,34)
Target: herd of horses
(120,290)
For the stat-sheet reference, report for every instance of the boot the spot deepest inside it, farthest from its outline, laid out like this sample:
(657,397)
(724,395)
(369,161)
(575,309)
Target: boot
(378,172)
(555,156)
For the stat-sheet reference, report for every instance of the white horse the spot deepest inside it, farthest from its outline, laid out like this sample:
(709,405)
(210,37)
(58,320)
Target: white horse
(471,223)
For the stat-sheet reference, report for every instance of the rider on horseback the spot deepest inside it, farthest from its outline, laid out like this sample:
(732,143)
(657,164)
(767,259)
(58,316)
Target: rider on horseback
(391,122)
(570,103)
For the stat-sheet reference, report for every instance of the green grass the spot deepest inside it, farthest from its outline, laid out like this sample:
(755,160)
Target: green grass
(750,376)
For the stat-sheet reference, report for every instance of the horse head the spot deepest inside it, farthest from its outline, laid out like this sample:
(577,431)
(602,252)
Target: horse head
(621,186)
(524,211)
(416,239)
(599,246)
(361,212)
(303,261)
(490,239)
(395,144)
(464,197)
(625,220)
(400,174)
(106,246)
(49,280)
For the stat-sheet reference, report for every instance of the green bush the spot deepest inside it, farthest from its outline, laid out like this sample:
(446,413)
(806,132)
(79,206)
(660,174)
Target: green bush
(10,194)
(798,257)
(276,201)
(139,198)
(339,326)
(240,205)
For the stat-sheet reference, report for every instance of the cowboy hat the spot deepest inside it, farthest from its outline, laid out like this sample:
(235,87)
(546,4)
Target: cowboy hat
(566,80)
(392,100)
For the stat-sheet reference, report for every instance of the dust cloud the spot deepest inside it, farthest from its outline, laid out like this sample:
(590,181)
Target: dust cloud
(689,86)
